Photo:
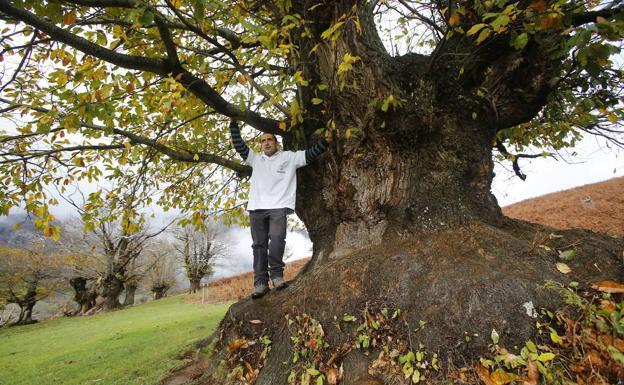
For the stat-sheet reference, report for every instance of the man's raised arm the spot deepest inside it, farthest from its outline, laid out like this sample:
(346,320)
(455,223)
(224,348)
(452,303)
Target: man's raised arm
(237,140)
(316,150)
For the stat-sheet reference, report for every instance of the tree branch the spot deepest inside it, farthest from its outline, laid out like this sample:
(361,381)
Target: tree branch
(159,66)
(590,17)
(514,158)
(176,154)
(81,44)
(39,154)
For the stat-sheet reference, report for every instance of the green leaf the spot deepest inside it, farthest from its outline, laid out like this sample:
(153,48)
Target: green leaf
(555,337)
(567,255)
(199,9)
(316,101)
(146,18)
(545,357)
(416,376)
(500,22)
(494,336)
(520,41)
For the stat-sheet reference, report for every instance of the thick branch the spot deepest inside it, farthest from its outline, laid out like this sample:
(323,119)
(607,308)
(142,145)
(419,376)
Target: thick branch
(211,97)
(196,85)
(39,154)
(81,44)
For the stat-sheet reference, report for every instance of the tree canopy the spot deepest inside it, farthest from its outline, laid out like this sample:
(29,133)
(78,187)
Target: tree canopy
(107,90)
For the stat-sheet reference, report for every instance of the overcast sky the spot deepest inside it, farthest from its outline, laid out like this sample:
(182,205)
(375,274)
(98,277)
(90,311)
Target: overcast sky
(594,162)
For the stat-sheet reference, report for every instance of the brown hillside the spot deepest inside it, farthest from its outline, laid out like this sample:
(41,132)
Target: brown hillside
(598,207)
(240,286)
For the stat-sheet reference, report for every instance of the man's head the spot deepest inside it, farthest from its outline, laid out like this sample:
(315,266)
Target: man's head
(269,144)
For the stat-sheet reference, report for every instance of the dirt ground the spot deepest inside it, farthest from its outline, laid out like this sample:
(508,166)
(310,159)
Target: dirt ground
(598,207)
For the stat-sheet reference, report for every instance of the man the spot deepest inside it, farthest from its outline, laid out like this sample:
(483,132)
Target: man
(271,199)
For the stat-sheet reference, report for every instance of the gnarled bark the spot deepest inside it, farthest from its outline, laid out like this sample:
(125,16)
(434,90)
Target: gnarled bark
(84,296)
(130,289)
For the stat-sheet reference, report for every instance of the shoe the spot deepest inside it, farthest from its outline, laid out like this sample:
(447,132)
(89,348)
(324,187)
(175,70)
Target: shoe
(260,291)
(279,283)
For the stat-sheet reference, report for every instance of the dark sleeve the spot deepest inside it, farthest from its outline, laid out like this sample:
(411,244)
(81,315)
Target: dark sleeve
(316,150)
(237,141)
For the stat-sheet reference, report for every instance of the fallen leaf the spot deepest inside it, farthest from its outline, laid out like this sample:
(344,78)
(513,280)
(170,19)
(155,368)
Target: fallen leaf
(237,344)
(563,268)
(608,287)
(484,375)
(533,374)
(594,358)
(255,322)
(608,306)
(332,376)
(501,377)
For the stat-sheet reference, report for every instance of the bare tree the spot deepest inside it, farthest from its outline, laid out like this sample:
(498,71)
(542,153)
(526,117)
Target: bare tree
(161,266)
(199,250)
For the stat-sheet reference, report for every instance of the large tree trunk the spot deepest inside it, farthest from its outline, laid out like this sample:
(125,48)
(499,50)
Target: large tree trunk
(130,291)
(195,283)
(109,290)
(84,296)
(27,305)
(160,291)
(401,216)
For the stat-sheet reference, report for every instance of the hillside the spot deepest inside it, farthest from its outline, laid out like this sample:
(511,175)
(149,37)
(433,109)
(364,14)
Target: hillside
(598,207)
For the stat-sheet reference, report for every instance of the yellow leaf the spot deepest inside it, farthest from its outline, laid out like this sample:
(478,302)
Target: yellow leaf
(563,268)
(242,79)
(455,19)
(483,35)
(501,377)
(195,157)
(475,28)
(48,231)
(127,145)
(484,375)
(282,125)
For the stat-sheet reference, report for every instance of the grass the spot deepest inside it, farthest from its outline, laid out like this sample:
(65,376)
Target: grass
(139,345)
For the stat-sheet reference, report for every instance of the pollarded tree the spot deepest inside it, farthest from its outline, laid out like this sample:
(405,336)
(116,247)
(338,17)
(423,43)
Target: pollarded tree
(199,250)
(160,265)
(400,211)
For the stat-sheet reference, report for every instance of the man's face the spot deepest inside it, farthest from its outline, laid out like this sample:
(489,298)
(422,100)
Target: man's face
(269,144)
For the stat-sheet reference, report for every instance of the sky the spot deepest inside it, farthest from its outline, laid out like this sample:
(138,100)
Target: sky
(594,162)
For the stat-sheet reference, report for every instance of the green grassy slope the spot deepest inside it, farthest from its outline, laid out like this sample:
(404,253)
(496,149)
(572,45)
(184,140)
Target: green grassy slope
(138,345)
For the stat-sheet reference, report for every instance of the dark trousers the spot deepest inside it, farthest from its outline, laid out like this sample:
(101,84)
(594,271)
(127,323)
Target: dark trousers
(268,233)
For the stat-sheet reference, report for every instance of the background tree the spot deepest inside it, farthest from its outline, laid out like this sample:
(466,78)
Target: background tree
(199,250)
(161,267)
(28,275)
(400,210)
